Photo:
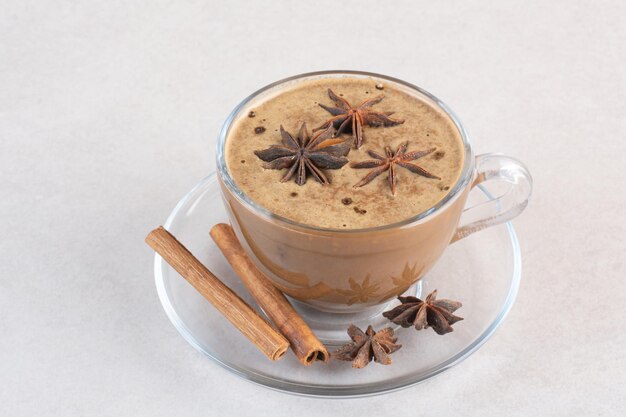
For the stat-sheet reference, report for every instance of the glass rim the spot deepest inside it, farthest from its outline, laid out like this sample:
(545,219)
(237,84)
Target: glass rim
(243,198)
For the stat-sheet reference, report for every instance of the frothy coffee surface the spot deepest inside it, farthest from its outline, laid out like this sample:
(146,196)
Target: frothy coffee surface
(340,205)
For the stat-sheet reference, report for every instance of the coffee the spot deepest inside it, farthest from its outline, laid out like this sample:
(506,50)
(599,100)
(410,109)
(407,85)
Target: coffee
(337,247)
(340,205)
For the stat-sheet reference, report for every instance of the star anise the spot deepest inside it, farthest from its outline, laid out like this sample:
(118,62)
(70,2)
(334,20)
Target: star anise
(367,346)
(306,154)
(388,162)
(423,314)
(346,116)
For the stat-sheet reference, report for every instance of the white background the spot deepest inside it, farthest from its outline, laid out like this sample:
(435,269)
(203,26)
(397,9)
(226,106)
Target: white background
(109,113)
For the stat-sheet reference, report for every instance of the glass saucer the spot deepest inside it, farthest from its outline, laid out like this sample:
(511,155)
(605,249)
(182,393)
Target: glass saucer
(482,271)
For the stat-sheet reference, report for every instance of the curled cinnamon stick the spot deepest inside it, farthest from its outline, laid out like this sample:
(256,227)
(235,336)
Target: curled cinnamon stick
(236,310)
(304,343)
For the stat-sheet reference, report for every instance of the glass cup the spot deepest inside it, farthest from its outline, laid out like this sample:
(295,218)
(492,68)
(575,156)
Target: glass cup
(358,270)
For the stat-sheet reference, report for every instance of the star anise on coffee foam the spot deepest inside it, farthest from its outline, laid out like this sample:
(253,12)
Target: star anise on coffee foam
(346,116)
(423,314)
(389,162)
(305,155)
(368,345)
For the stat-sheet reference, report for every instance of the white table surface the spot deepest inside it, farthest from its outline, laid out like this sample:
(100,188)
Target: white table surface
(109,113)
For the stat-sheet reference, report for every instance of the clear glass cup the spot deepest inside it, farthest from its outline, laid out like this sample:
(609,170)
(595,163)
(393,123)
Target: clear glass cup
(360,270)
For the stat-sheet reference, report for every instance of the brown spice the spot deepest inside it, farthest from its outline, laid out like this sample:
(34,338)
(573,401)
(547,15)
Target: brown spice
(345,116)
(251,114)
(368,345)
(359,210)
(259,129)
(423,314)
(303,342)
(305,155)
(240,314)
(346,201)
(438,155)
(388,163)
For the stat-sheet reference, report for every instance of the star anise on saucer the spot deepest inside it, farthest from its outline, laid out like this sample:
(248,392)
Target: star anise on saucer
(388,162)
(423,314)
(367,346)
(354,117)
(305,154)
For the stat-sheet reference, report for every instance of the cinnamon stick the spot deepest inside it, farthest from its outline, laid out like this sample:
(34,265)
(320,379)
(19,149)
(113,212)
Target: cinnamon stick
(304,343)
(236,310)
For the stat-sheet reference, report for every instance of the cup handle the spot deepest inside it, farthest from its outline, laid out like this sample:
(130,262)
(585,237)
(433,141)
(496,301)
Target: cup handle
(509,205)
